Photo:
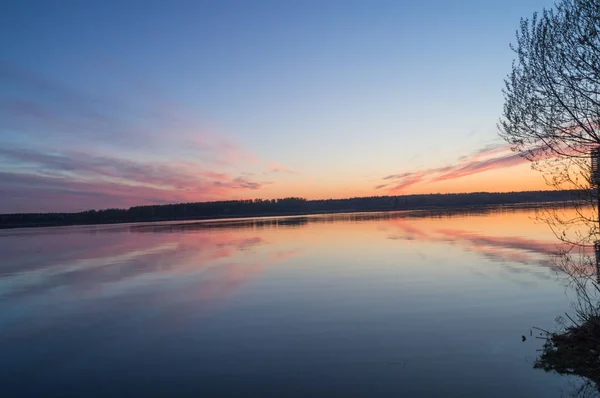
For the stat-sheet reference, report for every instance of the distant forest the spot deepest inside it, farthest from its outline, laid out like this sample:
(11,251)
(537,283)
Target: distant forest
(285,206)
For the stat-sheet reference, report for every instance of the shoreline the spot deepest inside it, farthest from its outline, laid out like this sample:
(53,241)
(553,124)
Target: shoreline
(238,217)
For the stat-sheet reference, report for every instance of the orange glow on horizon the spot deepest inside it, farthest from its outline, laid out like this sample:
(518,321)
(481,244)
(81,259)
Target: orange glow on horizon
(511,179)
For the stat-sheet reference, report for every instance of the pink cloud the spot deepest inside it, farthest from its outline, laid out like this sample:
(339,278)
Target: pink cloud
(408,181)
(479,166)
(397,176)
(490,157)
(278,168)
(486,151)
(196,161)
(221,150)
(77,181)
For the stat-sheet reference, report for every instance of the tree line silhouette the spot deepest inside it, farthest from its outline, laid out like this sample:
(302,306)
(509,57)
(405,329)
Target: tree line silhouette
(285,206)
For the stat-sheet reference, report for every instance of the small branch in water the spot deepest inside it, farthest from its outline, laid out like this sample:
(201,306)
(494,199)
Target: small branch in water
(541,330)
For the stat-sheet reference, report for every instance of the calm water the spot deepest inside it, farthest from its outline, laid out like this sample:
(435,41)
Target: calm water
(372,305)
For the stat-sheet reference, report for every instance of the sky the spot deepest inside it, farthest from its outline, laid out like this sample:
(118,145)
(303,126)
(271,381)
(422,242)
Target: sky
(109,104)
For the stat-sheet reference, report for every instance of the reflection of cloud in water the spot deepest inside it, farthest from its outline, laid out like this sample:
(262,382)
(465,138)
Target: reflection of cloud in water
(284,255)
(504,249)
(97,263)
(509,242)
(203,267)
(246,243)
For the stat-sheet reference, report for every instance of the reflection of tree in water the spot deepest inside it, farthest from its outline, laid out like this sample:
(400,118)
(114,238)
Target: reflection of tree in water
(575,349)
(301,221)
(255,223)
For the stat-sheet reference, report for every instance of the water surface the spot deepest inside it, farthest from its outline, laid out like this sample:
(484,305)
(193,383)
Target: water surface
(373,305)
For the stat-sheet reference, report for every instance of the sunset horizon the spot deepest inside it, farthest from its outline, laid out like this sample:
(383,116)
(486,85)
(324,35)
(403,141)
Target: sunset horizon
(306,198)
(114,118)
(51,209)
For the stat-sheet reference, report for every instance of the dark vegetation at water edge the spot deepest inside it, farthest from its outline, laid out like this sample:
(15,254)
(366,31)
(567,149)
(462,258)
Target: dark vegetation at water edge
(576,352)
(286,206)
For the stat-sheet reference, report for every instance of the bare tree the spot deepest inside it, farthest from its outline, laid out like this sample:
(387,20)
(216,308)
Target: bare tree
(552,106)
(552,117)
(552,96)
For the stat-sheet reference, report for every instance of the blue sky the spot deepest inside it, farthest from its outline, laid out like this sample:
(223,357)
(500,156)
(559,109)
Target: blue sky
(110,104)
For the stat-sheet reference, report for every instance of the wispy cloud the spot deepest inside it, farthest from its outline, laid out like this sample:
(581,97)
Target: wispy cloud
(241,183)
(486,151)
(397,176)
(79,181)
(51,112)
(479,166)
(144,151)
(278,168)
(487,158)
